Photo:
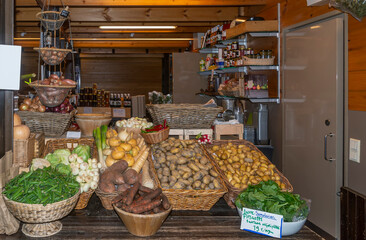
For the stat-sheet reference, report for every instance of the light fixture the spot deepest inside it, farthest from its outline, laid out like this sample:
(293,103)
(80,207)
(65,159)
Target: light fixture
(137,27)
(240,20)
(315,27)
(115,39)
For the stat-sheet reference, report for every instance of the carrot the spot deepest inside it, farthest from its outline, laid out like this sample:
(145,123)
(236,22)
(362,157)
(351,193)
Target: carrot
(146,207)
(158,209)
(117,199)
(137,204)
(145,189)
(131,194)
(153,194)
(141,160)
(165,202)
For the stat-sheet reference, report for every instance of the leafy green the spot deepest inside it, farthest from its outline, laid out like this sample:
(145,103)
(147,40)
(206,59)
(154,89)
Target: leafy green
(39,163)
(267,196)
(53,159)
(64,169)
(83,151)
(63,154)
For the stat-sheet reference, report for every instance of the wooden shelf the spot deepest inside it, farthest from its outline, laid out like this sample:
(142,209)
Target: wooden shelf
(253,100)
(252,26)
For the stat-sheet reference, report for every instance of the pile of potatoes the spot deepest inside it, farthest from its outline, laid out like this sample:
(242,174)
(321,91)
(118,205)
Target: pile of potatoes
(181,164)
(243,166)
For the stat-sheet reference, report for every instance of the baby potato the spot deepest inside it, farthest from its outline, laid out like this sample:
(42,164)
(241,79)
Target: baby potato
(215,148)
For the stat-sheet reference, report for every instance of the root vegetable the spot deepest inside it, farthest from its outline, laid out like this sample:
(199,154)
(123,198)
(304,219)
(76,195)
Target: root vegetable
(146,207)
(146,179)
(131,194)
(153,194)
(130,176)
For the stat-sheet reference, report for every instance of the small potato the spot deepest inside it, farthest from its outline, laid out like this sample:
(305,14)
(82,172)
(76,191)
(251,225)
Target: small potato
(172,167)
(236,178)
(166,171)
(201,166)
(165,185)
(265,178)
(215,148)
(164,179)
(198,176)
(204,160)
(184,168)
(196,184)
(171,158)
(193,167)
(190,180)
(213,173)
(174,150)
(179,185)
(175,173)
(203,186)
(211,186)
(230,168)
(186,182)
(216,183)
(160,176)
(206,179)
(283,186)
(187,175)
(181,160)
(172,179)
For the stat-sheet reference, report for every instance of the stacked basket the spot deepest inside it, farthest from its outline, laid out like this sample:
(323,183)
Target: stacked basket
(70,144)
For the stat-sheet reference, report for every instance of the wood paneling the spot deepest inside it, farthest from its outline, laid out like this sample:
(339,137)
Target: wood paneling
(144,3)
(139,14)
(132,75)
(357,90)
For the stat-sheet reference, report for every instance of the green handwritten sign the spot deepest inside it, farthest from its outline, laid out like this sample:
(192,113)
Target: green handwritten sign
(261,222)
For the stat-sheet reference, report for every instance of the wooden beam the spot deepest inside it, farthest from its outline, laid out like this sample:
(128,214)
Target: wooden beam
(116,44)
(98,30)
(140,23)
(114,35)
(146,3)
(252,26)
(139,14)
(122,55)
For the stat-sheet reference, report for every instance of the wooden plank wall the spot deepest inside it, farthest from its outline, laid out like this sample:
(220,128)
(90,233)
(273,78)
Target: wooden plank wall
(134,75)
(295,11)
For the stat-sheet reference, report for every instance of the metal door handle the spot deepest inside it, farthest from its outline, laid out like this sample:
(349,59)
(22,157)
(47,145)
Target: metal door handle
(325,147)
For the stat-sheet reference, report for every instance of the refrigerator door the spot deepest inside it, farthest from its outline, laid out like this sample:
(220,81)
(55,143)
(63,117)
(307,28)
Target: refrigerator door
(313,108)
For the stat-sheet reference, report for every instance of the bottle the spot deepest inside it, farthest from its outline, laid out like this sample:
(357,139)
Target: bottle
(122,99)
(111,100)
(118,100)
(202,65)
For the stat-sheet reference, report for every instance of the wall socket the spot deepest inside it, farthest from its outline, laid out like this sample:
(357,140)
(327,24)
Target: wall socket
(354,149)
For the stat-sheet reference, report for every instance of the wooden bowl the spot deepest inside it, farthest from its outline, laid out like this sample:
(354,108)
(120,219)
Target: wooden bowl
(88,124)
(142,225)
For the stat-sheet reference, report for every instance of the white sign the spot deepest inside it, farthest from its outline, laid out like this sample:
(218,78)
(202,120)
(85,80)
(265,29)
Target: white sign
(88,110)
(264,223)
(10,61)
(73,134)
(119,112)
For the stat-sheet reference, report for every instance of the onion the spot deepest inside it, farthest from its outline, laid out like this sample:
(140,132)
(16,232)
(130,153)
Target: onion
(54,76)
(27,101)
(24,107)
(41,108)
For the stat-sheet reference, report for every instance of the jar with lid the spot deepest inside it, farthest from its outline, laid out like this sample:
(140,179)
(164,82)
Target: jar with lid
(234,46)
(269,53)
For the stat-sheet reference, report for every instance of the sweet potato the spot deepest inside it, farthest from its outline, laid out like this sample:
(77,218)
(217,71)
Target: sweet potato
(123,187)
(119,166)
(107,187)
(165,202)
(153,194)
(146,207)
(130,176)
(145,189)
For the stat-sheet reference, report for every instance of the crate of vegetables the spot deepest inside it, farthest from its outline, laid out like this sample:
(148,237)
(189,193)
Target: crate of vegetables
(156,134)
(241,164)
(186,175)
(79,157)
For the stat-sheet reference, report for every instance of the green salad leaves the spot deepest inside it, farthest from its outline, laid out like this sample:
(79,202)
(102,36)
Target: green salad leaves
(267,196)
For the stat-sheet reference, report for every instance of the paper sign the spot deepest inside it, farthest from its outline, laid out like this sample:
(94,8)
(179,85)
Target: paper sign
(72,134)
(119,112)
(88,110)
(10,61)
(261,222)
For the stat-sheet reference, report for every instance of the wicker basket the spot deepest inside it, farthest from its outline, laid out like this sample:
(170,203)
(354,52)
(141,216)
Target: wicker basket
(106,198)
(51,124)
(52,145)
(156,137)
(233,192)
(182,199)
(53,56)
(183,115)
(23,151)
(51,96)
(258,61)
(51,20)
(40,221)
(39,145)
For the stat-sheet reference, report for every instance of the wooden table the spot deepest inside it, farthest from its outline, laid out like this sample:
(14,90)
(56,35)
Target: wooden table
(221,222)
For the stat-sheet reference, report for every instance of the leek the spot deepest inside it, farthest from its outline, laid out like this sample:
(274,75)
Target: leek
(98,141)
(104,130)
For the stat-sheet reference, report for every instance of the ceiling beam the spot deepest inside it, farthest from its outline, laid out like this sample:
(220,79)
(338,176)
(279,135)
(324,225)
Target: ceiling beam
(89,14)
(98,30)
(115,44)
(114,35)
(145,3)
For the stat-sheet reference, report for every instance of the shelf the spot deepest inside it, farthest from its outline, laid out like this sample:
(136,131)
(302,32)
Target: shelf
(252,27)
(209,50)
(253,100)
(241,69)
(264,34)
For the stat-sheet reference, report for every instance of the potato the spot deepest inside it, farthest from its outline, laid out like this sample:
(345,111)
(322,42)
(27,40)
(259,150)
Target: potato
(182,160)
(204,160)
(216,183)
(164,179)
(198,176)
(171,158)
(193,167)
(166,171)
(179,185)
(172,166)
(174,150)
(196,184)
(206,179)
(213,173)
(187,175)
(184,168)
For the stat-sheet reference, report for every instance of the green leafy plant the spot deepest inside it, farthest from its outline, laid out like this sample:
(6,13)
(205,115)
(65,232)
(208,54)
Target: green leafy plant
(267,196)
(357,8)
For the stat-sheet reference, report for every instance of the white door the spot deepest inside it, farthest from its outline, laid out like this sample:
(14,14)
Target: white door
(313,108)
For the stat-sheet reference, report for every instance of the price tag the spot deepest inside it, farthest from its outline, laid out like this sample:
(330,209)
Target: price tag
(264,223)
(73,134)
(119,112)
(88,110)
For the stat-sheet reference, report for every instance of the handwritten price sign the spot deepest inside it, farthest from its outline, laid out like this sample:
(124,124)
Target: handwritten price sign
(261,222)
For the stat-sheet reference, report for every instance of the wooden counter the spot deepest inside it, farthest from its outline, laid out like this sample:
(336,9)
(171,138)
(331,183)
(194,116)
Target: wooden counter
(221,222)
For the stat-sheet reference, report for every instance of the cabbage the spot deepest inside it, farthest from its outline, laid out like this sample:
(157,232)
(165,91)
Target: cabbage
(83,151)
(63,154)
(53,159)
(64,169)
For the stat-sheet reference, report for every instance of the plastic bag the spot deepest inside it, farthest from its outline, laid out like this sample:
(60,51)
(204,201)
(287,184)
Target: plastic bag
(357,8)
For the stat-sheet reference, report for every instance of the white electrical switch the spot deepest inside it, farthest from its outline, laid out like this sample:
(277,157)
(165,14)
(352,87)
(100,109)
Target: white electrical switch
(354,149)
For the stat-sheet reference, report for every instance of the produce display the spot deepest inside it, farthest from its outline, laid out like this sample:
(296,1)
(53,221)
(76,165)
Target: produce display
(155,128)
(52,55)
(32,105)
(64,107)
(183,165)
(55,80)
(20,131)
(134,122)
(142,200)
(243,166)
(267,196)
(42,186)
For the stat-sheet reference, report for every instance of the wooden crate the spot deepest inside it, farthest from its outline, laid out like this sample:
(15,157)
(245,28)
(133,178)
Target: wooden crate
(177,132)
(194,132)
(24,151)
(39,145)
(229,129)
